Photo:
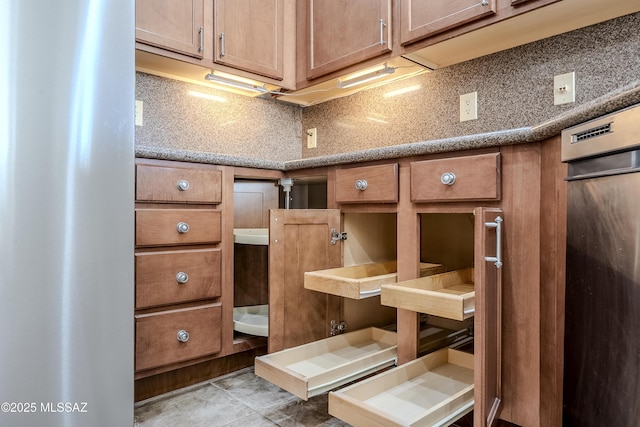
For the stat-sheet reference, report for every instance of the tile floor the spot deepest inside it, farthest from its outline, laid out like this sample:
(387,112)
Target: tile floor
(240,399)
(237,399)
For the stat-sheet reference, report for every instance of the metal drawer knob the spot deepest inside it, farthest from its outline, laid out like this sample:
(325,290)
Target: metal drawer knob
(182,277)
(183,336)
(183,185)
(182,227)
(361,184)
(448,178)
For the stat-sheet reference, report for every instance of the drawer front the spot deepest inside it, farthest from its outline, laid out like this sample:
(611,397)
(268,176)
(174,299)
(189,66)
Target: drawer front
(460,178)
(157,227)
(367,184)
(164,278)
(180,185)
(161,338)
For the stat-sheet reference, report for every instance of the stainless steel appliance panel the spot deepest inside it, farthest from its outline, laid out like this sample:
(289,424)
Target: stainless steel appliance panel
(602,319)
(66,207)
(602,301)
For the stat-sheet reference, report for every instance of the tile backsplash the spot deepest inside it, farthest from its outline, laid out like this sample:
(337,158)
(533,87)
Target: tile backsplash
(515,89)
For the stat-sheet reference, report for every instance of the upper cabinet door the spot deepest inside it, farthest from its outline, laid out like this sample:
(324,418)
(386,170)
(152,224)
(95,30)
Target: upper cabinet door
(343,33)
(176,25)
(299,241)
(423,18)
(488,319)
(250,35)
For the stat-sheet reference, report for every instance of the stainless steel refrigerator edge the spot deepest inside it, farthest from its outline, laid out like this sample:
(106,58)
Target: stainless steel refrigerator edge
(66,208)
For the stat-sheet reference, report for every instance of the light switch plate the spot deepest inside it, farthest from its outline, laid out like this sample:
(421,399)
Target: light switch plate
(469,106)
(564,88)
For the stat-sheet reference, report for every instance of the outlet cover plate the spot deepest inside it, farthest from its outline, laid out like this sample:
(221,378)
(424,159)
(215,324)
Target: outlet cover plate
(469,106)
(564,88)
(312,135)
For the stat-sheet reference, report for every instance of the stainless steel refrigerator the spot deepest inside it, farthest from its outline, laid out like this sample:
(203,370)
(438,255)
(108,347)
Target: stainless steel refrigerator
(66,212)
(602,316)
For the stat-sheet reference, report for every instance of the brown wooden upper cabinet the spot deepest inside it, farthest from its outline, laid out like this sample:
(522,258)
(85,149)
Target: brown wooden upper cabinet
(343,33)
(423,18)
(249,35)
(175,25)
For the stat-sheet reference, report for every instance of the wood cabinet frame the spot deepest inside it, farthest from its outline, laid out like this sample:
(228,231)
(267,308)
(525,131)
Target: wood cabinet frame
(533,202)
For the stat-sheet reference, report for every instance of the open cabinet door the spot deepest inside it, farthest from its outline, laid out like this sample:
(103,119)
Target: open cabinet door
(488,318)
(299,241)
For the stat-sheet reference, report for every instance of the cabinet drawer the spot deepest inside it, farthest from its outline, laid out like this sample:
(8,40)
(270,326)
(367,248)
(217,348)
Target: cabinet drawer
(180,185)
(164,278)
(450,295)
(157,227)
(436,389)
(315,368)
(372,184)
(460,178)
(158,335)
(360,281)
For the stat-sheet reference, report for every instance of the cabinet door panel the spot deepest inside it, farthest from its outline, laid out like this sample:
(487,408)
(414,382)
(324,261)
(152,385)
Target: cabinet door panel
(249,35)
(422,18)
(175,25)
(299,241)
(488,318)
(343,33)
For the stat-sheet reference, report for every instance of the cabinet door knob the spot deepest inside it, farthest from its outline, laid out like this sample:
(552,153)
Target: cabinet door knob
(361,184)
(183,336)
(448,178)
(183,185)
(182,227)
(182,277)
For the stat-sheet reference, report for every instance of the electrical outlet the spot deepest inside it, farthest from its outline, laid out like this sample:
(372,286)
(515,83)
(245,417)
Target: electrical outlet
(312,135)
(138,112)
(564,88)
(469,106)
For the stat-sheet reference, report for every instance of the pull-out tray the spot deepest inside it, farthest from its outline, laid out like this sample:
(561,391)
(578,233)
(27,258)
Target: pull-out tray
(450,295)
(360,281)
(252,320)
(251,236)
(320,366)
(434,390)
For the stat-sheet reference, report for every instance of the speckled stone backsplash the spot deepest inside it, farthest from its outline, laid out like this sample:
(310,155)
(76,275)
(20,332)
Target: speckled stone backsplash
(179,115)
(515,89)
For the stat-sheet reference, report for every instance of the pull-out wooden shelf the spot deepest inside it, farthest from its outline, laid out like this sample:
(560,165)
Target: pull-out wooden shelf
(320,366)
(360,281)
(434,390)
(450,295)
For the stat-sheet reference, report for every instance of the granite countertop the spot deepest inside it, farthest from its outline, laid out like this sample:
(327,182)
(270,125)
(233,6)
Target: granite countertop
(619,99)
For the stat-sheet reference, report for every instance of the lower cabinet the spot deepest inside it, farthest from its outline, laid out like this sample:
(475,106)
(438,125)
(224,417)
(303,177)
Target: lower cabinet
(179,265)
(455,377)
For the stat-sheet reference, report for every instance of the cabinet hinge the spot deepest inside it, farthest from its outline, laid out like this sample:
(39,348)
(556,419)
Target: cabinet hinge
(336,236)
